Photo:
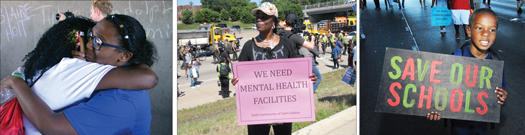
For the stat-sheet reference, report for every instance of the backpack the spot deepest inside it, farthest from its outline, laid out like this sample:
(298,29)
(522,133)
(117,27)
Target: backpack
(223,70)
(288,35)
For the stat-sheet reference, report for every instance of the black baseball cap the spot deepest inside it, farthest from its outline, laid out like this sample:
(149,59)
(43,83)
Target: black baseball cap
(291,18)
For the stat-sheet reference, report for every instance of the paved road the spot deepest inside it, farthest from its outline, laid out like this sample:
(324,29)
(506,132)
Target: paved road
(410,29)
(209,91)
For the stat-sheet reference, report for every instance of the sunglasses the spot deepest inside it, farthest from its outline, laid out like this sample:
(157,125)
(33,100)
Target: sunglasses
(263,16)
(97,42)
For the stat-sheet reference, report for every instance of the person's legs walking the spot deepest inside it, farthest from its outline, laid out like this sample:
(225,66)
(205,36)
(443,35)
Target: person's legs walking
(344,49)
(192,81)
(225,87)
(376,2)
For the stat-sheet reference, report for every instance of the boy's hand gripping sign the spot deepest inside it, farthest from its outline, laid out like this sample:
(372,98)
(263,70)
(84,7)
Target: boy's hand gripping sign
(417,83)
(274,91)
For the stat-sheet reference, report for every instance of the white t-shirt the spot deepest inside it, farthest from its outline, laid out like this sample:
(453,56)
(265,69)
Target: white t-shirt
(67,83)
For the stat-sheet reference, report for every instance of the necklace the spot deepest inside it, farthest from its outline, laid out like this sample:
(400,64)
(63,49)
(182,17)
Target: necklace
(268,41)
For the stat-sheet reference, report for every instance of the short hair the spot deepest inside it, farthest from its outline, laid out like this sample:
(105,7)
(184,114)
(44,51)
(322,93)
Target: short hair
(103,5)
(482,11)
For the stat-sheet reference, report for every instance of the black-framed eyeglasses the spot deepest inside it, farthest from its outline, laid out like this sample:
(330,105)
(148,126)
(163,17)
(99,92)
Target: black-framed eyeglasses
(97,42)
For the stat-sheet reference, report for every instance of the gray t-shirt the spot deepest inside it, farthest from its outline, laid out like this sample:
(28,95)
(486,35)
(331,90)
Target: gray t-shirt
(188,57)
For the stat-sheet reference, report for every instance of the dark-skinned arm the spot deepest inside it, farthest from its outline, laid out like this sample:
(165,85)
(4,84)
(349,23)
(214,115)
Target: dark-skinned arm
(134,77)
(37,111)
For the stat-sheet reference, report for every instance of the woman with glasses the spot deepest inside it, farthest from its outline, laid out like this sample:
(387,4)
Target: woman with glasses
(268,45)
(57,81)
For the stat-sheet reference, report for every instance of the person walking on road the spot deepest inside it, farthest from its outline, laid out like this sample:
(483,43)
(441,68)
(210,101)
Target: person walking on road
(388,3)
(460,15)
(194,71)
(520,3)
(378,6)
(324,42)
(187,57)
(399,1)
(336,52)
(440,3)
(224,77)
(423,4)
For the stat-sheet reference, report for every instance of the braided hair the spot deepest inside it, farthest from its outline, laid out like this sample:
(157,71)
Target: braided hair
(56,43)
(132,37)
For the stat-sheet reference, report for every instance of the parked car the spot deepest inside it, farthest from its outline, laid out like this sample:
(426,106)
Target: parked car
(254,27)
(222,25)
(235,28)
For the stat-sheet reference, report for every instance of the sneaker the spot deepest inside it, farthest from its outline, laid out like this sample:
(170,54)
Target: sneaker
(193,87)
(219,83)
(198,85)
(519,10)
(457,36)
(444,30)
(182,93)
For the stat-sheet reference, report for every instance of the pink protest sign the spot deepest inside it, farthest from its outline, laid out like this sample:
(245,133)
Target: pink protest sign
(274,91)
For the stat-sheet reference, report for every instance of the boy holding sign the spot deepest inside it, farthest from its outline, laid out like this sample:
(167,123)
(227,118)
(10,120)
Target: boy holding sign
(483,26)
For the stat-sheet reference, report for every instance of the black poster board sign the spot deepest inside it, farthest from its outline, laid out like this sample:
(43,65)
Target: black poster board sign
(462,87)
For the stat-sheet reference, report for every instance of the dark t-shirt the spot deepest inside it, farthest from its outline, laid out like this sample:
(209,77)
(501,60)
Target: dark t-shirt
(225,55)
(461,126)
(252,52)
(297,40)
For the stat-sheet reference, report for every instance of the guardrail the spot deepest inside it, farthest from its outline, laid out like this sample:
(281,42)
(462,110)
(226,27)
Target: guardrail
(328,4)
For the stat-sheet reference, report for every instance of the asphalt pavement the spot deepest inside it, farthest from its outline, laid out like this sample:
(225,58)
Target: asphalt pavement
(410,29)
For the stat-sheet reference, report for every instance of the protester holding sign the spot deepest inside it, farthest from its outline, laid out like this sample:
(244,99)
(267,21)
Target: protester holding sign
(268,45)
(440,3)
(483,27)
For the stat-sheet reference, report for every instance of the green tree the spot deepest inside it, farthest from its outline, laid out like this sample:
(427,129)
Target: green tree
(235,13)
(187,16)
(247,17)
(206,15)
(250,6)
(225,15)
(215,16)
(217,5)
(287,7)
